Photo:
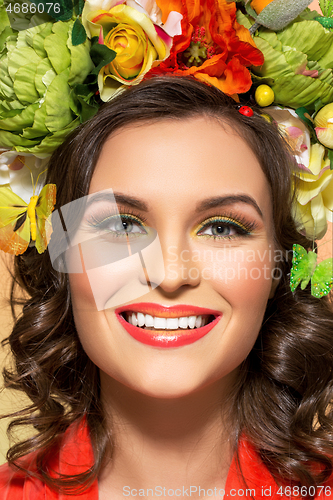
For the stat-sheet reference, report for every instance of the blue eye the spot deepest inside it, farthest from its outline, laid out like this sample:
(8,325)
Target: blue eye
(223,227)
(119,225)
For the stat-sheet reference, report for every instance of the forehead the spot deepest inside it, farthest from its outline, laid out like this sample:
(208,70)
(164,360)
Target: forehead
(180,162)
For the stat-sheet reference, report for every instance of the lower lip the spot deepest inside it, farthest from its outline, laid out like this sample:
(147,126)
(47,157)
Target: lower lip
(170,339)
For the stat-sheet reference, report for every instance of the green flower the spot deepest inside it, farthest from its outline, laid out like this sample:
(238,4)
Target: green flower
(39,68)
(298,62)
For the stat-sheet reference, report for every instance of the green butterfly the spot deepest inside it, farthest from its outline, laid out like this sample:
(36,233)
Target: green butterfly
(305,268)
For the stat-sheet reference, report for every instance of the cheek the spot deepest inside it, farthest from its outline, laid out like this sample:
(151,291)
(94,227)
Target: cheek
(242,277)
(109,285)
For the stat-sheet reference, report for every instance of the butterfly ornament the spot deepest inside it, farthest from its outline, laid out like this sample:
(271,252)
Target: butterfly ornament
(305,268)
(21,223)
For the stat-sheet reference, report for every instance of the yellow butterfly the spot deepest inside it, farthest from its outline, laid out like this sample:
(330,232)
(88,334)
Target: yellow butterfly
(20,221)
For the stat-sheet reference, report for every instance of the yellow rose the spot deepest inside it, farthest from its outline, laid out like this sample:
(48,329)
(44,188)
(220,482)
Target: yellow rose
(138,42)
(132,45)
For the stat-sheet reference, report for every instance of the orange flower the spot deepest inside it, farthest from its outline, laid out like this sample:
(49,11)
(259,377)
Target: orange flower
(259,5)
(213,47)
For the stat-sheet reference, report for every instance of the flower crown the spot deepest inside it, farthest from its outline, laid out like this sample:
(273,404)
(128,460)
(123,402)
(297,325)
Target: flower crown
(60,61)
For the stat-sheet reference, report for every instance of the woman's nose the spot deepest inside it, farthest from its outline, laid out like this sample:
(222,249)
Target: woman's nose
(175,267)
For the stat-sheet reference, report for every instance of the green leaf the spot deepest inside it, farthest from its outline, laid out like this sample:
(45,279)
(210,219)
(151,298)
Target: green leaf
(251,12)
(83,90)
(301,90)
(3,36)
(101,55)
(290,89)
(24,84)
(330,157)
(10,140)
(4,21)
(243,19)
(78,7)
(44,76)
(38,128)
(39,38)
(326,7)
(20,120)
(318,105)
(6,82)
(87,110)
(58,110)
(304,115)
(66,10)
(312,39)
(19,57)
(49,143)
(79,34)
(81,63)
(56,47)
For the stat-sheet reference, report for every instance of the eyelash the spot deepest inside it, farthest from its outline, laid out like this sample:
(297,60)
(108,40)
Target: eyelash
(102,219)
(244,227)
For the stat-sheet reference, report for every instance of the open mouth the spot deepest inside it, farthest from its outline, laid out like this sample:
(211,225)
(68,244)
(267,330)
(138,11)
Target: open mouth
(171,328)
(148,322)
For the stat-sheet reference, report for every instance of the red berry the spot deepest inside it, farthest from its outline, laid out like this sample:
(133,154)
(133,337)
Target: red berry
(246,111)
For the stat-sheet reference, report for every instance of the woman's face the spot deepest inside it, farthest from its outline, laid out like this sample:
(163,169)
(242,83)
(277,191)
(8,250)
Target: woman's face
(200,187)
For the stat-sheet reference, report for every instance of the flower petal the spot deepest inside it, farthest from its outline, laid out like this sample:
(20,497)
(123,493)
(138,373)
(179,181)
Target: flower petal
(317,153)
(308,190)
(172,25)
(318,213)
(325,136)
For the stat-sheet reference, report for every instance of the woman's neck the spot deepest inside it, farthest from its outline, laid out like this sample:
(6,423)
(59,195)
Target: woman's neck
(165,443)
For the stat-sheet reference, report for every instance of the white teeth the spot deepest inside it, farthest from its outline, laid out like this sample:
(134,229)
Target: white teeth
(141,319)
(184,322)
(149,321)
(134,319)
(191,321)
(198,321)
(172,324)
(160,323)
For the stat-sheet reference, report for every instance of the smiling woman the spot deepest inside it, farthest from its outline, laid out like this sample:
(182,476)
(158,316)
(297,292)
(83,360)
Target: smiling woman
(177,357)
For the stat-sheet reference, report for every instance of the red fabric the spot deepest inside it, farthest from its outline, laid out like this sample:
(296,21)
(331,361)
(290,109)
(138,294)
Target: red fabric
(76,455)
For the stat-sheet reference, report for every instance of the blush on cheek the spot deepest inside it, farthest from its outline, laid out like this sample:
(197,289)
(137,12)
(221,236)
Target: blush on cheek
(241,272)
(249,281)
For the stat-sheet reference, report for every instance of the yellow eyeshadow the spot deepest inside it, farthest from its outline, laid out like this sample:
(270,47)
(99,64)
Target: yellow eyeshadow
(217,219)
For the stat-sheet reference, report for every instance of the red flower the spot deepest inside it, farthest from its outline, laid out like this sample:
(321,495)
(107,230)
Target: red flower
(213,46)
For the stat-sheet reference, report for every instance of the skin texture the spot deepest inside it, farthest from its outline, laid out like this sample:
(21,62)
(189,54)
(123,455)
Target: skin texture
(165,404)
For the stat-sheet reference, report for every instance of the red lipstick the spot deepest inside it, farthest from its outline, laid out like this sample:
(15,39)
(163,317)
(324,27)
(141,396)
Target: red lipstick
(167,338)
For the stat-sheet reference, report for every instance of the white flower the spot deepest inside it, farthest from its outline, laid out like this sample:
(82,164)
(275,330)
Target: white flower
(14,171)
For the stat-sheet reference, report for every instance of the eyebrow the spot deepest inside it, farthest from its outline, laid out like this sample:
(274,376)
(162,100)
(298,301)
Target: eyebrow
(216,201)
(220,201)
(121,199)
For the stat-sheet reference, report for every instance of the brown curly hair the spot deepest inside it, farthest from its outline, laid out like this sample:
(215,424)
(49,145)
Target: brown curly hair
(282,399)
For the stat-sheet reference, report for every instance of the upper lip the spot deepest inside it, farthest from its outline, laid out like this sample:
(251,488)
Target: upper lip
(176,311)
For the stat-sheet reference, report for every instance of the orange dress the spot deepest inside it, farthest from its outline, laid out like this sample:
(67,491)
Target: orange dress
(75,455)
